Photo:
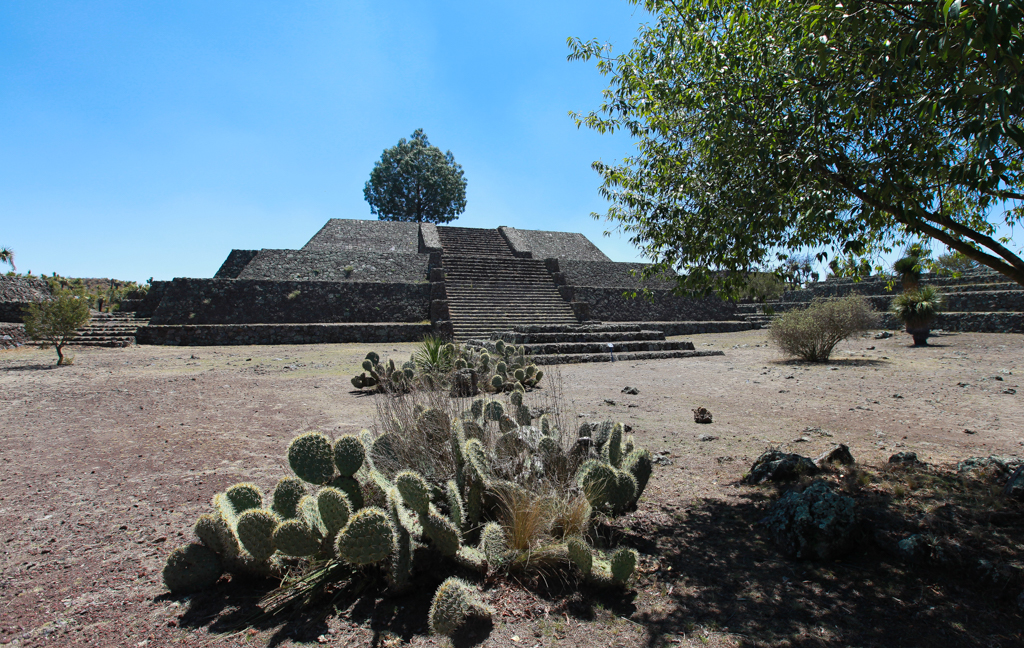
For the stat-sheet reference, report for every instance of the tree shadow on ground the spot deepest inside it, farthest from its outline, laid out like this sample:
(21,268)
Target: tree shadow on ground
(30,367)
(726,575)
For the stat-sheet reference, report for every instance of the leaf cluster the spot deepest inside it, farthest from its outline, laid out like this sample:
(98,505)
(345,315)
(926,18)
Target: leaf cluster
(769,127)
(812,333)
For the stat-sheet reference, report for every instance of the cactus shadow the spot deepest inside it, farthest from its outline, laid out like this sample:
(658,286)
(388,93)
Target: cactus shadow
(31,367)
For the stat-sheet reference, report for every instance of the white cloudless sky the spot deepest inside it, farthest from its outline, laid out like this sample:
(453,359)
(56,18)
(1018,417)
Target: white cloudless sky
(145,139)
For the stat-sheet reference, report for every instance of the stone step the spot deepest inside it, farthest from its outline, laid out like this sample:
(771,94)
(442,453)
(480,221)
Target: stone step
(596,337)
(578,348)
(621,357)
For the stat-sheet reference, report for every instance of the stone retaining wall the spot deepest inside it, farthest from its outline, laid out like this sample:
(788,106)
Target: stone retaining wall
(608,274)
(551,245)
(13,335)
(235,263)
(366,236)
(243,301)
(17,292)
(337,265)
(609,305)
(241,334)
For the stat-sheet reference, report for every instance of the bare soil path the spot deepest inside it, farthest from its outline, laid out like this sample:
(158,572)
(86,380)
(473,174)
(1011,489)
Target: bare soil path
(104,466)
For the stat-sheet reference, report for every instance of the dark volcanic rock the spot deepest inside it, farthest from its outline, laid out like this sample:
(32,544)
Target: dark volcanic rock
(839,453)
(904,458)
(816,524)
(464,383)
(778,466)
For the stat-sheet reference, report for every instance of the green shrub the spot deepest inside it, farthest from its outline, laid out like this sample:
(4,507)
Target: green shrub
(918,308)
(954,264)
(54,322)
(812,333)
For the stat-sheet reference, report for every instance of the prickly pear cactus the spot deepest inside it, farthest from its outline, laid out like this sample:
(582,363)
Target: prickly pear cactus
(414,490)
(612,449)
(286,496)
(348,454)
(493,544)
(191,568)
(454,601)
(334,508)
(244,496)
(296,538)
(580,554)
(623,562)
(215,534)
(638,463)
(444,534)
(494,410)
(255,531)
(312,458)
(367,538)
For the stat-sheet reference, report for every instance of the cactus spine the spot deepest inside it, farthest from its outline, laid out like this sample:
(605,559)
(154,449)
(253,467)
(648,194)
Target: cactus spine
(311,457)
(255,529)
(348,454)
(367,538)
(453,603)
(287,493)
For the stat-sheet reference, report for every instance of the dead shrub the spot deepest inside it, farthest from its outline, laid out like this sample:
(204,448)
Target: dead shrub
(813,332)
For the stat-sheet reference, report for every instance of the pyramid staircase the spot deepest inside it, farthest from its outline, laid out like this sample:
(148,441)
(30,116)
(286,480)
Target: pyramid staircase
(109,330)
(566,344)
(489,289)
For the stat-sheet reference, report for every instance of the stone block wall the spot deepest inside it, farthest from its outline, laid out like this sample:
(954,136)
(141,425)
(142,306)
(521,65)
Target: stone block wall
(235,263)
(338,265)
(608,274)
(551,245)
(244,301)
(366,236)
(609,304)
(240,334)
(17,292)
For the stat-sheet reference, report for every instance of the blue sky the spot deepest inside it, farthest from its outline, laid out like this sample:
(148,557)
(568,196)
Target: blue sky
(146,139)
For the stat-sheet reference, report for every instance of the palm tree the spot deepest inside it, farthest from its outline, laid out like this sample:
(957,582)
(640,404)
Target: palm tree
(7,256)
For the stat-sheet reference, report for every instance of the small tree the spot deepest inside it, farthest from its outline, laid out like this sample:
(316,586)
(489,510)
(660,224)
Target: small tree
(54,322)
(7,256)
(416,182)
(812,333)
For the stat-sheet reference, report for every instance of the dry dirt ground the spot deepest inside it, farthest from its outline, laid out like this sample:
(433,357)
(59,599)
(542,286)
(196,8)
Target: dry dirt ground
(106,464)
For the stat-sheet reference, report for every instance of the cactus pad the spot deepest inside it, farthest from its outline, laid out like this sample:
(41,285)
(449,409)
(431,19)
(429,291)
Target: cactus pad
(295,538)
(334,508)
(352,490)
(311,457)
(623,562)
(612,448)
(348,454)
(255,531)
(454,601)
(597,479)
(494,544)
(580,554)
(414,490)
(445,535)
(516,397)
(638,463)
(244,496)
(458,512)
(477,407)
(476,457)
(286,497)
(494,410)
(191,568)
(367,538)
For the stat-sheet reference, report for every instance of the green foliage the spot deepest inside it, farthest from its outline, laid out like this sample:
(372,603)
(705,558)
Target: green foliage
(763,286)
(415,181)
(954,264)
(191,568)
(54,322)
(311,457)
(244,496)
(414,490)
(813,332)
(434,355)
(917,309)
(443,532)
(7,256)
(766,128)
(296,538)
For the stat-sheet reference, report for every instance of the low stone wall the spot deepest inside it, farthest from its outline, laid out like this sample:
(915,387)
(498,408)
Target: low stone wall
(235,263)
(243,301)
(18,292)
(609,305)
(430,240)
(340,265)
(152,299)
(882,285)
(13,335)
(366,236)
(695,328)
(551,245)
(1005,322)
(242,334)
(608,274)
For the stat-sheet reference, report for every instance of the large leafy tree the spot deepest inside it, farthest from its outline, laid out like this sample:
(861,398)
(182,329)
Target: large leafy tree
(767,127)
(415,181)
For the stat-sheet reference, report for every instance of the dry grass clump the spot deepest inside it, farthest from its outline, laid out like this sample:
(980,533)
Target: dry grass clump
(813,332)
